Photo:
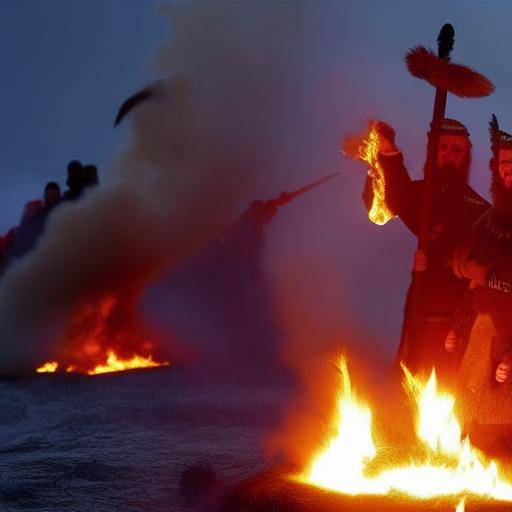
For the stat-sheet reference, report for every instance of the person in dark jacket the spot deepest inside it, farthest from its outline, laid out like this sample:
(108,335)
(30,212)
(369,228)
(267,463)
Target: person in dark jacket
(485,260)
(455,206)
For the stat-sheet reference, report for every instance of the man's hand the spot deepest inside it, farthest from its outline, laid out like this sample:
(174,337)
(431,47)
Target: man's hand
(475,272)
(420,262)
(503,372)
(386,138)
(450,343)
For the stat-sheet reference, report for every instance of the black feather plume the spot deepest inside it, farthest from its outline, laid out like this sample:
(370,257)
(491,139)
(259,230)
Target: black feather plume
(133,101)
(445,41)
(494,132)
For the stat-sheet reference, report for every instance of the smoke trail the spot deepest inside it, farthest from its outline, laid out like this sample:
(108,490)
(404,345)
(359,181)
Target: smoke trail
(196,153)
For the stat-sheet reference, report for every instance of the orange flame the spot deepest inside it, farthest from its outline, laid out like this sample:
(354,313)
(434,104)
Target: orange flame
(49,367)
(366,148)
(449,467)
(103,336)
(114,364)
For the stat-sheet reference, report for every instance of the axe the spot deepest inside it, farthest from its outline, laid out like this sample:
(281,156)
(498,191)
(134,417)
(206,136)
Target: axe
(446,77)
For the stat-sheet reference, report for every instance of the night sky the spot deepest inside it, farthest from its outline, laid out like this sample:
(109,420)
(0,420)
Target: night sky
(67,65)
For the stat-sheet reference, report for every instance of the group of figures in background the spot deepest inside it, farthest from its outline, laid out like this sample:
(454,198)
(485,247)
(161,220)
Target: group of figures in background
(458,310)
(20,240)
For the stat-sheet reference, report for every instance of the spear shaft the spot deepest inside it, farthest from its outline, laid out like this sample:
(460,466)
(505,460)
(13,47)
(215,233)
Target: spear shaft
(445,45)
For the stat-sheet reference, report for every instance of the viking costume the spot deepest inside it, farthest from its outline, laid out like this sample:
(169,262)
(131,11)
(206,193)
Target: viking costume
(455,207)
(486,405)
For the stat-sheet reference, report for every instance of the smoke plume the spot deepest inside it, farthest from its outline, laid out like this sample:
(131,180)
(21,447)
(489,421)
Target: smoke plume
(195,155)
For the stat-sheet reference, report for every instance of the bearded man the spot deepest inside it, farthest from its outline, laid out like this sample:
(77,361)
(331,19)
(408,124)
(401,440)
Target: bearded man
(486,260)
(455,207)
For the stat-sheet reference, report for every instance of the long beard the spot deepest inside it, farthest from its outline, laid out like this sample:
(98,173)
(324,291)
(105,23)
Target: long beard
(502,198)
(453,179)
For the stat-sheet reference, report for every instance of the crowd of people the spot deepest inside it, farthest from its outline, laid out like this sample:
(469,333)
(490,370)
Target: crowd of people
(457,316)
(21,239)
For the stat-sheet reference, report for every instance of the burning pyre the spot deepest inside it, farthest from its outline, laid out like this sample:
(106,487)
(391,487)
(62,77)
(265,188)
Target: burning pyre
(445,466)
(366,148)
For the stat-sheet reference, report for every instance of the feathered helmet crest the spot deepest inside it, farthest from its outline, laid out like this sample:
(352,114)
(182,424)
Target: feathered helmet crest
(499,140)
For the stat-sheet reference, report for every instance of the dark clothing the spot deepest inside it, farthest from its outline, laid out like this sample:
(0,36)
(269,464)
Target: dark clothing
(453,211)
(490,243)
(485,404)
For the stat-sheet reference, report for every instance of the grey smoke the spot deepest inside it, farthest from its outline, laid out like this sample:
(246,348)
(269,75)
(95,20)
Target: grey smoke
(194,158)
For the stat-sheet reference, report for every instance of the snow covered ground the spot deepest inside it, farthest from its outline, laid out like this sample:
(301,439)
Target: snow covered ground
(121,441)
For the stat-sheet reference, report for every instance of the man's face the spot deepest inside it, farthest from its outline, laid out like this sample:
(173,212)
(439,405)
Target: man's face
(452,150)
(505,167)
(51,197)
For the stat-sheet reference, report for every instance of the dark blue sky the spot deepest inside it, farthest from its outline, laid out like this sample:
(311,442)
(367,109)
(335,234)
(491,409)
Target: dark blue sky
(67,65)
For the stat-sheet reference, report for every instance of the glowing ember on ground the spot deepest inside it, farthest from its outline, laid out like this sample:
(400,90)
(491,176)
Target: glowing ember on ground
(366,148)
(448,465)
(49,367)
(114,364)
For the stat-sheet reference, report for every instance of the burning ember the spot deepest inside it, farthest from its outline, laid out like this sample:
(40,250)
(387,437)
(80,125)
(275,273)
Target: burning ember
(447,466)
(366,148)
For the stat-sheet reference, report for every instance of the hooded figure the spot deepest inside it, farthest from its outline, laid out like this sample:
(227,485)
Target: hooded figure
(455,208)
(485,260)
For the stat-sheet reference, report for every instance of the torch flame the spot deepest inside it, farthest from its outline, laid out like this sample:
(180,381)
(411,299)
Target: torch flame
(450,466)
(366,148)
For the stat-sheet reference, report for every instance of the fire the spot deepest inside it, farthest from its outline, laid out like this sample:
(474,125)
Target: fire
(49,367)
(448,465)
(366,148)
(104,336)
(114,364)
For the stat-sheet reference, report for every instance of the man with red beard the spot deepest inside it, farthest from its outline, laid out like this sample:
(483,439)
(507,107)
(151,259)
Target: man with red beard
(486,260)
(454,207)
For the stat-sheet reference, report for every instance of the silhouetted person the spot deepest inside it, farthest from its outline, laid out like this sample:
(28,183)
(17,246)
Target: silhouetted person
(75,181)
(52,196)
(225,285)
(24,237)
(90,175)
